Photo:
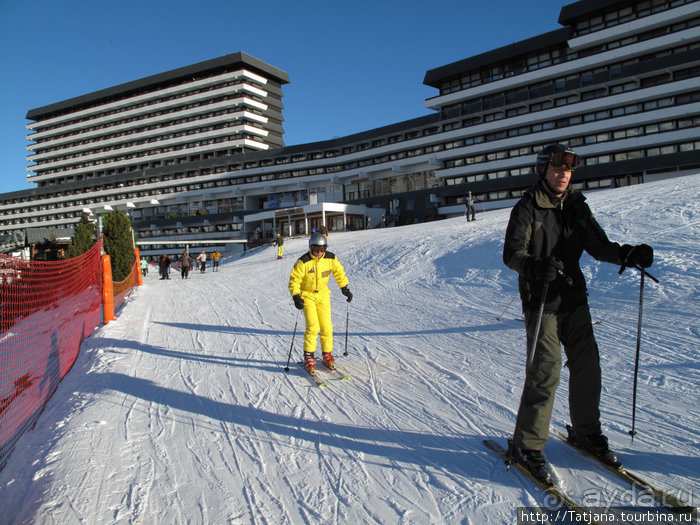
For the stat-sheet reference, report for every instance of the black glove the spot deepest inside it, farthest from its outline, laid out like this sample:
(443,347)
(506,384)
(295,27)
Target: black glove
(547,269)
(642,255)
(347,293)
(298,302)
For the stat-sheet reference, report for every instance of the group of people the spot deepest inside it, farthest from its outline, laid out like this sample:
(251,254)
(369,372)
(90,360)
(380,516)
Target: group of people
(186,263)
(549,228)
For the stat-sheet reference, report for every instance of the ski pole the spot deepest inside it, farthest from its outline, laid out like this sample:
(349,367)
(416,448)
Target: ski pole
(347,321)
(622,269)
(643,273)
(636,358)
(506,308)
(286,368)
(530,359)
(536,335)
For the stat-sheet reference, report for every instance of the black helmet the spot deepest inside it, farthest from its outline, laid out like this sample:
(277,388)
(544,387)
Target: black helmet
(557,155)
(318,239)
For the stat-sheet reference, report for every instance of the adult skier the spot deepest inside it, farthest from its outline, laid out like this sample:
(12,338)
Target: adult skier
(164,267)
(279,242)
(548,230)
(470,210)
(185,265)
(308,284)
(202,261)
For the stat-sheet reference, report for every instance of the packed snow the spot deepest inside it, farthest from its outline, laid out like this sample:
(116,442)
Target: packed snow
(181,410)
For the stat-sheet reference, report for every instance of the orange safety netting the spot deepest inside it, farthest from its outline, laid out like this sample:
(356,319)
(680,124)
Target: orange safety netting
(47,309)
(123,288)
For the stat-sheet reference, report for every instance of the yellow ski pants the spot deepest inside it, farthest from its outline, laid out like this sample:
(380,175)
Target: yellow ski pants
(317,312)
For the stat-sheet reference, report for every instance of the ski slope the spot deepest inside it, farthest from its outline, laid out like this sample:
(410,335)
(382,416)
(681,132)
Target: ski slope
(181,412)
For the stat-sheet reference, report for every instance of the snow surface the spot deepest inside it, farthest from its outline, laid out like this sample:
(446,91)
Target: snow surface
(180,411)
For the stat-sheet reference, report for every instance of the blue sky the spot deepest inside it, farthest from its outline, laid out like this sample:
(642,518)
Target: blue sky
(353,66)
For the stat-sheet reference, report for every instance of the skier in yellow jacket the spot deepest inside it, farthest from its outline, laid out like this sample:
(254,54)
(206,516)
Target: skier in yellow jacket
(308,284)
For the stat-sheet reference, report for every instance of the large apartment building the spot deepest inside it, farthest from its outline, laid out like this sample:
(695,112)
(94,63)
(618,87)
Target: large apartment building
(196,155)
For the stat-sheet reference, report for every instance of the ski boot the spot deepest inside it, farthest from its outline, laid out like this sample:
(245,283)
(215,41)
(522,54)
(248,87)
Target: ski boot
(328,360)
(596,444)
(310,363)
(532,460)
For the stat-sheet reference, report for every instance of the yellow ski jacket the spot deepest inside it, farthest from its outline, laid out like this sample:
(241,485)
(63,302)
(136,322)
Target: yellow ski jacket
(311,274)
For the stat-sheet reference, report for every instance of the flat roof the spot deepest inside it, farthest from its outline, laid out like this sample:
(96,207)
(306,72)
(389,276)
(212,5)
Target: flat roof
(569,14)
(239,59)
(434,77)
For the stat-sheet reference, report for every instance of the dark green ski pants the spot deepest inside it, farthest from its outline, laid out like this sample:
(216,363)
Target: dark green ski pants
(575,332)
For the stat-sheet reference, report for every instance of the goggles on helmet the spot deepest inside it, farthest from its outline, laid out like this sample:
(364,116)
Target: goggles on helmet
(317,248)
(565,159)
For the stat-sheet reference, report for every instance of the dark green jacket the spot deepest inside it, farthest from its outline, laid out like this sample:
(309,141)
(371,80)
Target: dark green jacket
(541,226)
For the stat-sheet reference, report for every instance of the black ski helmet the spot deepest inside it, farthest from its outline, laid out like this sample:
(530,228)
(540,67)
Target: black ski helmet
(557,155)
(317,239)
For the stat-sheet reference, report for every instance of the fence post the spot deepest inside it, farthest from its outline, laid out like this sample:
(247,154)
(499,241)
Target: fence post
(137,253)
(107,289)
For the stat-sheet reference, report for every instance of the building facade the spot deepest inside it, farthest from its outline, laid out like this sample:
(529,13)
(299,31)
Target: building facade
(196,156)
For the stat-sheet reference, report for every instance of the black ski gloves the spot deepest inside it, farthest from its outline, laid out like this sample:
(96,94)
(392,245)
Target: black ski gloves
(347,293)
(546,269)
(298,302)
(641,255)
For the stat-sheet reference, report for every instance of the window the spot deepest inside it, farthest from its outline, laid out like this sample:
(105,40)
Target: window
(621,88)
(655,80)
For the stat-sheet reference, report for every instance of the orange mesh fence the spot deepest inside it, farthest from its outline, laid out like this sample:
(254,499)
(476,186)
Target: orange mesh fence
(123,289)
(47,309)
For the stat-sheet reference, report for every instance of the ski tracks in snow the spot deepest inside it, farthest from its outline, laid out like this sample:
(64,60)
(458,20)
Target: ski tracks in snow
(199,422)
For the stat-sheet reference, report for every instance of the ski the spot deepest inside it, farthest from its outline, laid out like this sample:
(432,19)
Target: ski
(662,497)
(314,377)
(338,373)
(551,490)
(594,323)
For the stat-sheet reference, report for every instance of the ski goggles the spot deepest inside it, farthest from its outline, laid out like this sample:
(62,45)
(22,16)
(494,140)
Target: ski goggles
(317,248)
(565,159)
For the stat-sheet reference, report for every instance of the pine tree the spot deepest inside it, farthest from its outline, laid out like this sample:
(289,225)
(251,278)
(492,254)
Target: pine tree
(118,243)
(84,236)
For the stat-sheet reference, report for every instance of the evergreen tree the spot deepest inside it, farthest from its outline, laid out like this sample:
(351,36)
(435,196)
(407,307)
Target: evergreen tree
(84,236)
(117,240)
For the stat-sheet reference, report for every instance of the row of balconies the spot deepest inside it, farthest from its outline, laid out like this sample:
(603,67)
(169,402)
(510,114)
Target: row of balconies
(142,100)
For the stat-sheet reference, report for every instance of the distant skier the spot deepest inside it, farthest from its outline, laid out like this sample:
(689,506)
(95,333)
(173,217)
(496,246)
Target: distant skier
(185,265)
(144,267)
(279,242)
(216,258)
(548,230)
(202,261)
(164,267)
(308,284)
(470,209)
